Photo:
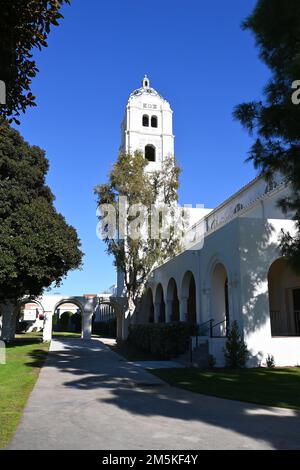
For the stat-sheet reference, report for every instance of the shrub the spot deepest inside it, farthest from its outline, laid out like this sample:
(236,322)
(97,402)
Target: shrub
(165,340)
(64,319)
(55,319)
(235,351)
(270,361)
(22,326)
(108,329)
(211,361)
(77,322)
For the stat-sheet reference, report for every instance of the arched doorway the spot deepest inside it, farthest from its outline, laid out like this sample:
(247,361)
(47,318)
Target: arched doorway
(284,299)
(149,306)
(159,299)
(172,299)
(105,319)
(220,300)
(189,295)
(67,317)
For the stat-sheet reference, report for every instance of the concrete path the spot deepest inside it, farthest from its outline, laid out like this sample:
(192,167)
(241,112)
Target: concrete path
(157,364)
(87,397)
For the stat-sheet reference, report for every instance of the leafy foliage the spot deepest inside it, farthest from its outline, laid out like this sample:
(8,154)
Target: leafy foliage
(76,320)
(235,351)
(270,361)
(165,340)
(24,25)
(275,121)
(106,329)
(136,257)
(211,361)
(65,319)
(37,246)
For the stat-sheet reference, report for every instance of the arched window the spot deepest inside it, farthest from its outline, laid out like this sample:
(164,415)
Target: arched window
(270,186)
(150,153)
(238,208)
(146,120)
(154,121)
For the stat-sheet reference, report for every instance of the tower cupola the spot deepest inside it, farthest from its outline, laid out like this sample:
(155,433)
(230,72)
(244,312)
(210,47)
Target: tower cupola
(146,82)
(148,126)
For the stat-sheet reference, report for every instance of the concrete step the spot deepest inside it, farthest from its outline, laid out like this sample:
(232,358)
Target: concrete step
(199,357)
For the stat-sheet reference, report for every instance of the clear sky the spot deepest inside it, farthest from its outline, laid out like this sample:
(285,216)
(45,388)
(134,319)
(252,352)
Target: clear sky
(195,54)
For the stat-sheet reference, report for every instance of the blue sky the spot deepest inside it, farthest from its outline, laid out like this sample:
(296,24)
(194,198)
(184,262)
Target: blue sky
(196,56)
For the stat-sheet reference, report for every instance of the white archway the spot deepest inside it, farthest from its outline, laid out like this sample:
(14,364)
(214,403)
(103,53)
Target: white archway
(284,299)
(159,306)
(188,304)
(119,315)
(172,301)
(220,300)
(68,302)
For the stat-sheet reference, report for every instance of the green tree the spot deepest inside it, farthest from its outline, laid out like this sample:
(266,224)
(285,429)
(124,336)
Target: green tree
(24,25)
(275,121)
(64,320)
(235,351)
(136,256)
(37,246)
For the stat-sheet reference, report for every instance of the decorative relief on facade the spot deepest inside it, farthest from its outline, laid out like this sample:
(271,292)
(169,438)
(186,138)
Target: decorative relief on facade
(253,192)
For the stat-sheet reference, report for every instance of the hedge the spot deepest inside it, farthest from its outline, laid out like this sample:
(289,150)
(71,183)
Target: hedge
(108,328)
(165,340)
(76,321)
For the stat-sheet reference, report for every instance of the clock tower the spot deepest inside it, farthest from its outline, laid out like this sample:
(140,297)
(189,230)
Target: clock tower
(148,126)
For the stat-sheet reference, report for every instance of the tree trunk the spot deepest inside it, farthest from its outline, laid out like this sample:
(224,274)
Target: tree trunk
(129,311)
(9,316)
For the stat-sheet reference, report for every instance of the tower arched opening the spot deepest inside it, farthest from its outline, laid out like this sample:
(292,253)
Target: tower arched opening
(145,120)
(150,153)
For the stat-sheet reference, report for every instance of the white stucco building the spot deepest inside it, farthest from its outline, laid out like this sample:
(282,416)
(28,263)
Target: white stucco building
(233,270)
(230,269)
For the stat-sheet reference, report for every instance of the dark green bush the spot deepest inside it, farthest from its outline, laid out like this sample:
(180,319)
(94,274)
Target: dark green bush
(76,321)
(108,329)
(64,320)
(55,319)
(235,351)
(165,340)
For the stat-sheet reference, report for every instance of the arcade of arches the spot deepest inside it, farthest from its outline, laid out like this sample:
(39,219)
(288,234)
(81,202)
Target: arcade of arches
(72,314)
(170,306)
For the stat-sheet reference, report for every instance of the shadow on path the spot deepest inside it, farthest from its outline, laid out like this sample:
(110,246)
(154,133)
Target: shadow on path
(94,367)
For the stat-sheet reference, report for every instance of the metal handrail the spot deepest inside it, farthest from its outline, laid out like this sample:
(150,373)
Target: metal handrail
(216,324)
(210,322)
(212,325)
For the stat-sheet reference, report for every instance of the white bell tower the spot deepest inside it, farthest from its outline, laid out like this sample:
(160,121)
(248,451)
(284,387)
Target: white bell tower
(148,126)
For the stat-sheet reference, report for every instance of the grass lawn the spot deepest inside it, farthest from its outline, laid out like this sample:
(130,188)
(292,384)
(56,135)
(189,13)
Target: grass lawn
(65,334)
(69,334)
(24,358)
(274,387)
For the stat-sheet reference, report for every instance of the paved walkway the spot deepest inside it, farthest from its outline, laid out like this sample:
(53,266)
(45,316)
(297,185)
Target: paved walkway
(87,397)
